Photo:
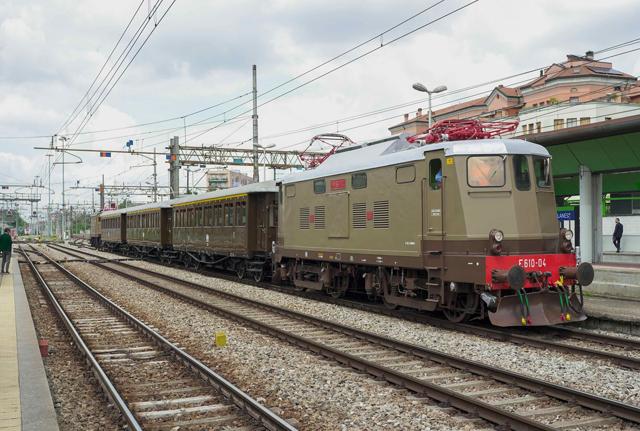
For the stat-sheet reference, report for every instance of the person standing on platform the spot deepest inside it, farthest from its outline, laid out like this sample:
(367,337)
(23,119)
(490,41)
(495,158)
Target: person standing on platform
(617,235)
(5,248)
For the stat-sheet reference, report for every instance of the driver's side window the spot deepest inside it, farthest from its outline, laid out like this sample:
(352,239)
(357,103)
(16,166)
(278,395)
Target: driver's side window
(435,174)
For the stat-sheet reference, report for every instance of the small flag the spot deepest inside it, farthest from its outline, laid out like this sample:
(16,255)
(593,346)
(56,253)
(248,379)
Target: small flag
(105,153)
(171,157)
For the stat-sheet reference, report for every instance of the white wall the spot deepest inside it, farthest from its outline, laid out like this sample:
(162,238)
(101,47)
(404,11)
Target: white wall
(596,111)
(630,236)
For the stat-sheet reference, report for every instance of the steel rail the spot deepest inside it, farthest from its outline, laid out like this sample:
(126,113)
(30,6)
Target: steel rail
(106,384)
(242,400)
(462,402)
(479,330)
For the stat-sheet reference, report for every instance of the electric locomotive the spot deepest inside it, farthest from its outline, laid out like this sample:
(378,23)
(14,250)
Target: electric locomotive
(464,226)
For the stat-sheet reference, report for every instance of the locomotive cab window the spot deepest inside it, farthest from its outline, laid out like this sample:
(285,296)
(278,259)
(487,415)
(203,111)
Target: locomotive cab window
(435,174)
(485,171)
(319,186)
(290,190)
(521,172)
(359,180)
(405,174)
(542,169)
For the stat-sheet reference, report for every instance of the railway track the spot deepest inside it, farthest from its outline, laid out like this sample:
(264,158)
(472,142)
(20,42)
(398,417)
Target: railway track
(499,396)
(617,350)
(154,384)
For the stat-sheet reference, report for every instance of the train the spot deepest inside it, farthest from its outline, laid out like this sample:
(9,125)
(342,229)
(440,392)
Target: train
(464,227)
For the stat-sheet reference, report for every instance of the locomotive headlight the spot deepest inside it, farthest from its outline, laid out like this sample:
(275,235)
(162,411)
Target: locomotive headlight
(498,236)
(568,235)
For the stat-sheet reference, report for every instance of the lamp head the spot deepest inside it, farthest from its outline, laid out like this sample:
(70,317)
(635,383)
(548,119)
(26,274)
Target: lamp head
(420,87)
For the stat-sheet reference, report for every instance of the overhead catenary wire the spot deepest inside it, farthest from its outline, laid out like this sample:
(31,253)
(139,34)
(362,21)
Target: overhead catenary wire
(71,116)
(359,57)
(102,98)
(89,103)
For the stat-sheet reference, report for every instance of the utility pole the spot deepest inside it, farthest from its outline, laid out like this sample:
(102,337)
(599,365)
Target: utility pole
(102,194)
(64,217)
(256,172)
(155,177)
(49,203)
(174,165)
(188,172)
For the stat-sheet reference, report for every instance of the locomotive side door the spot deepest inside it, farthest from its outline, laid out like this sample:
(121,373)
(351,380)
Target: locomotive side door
(434,207)
(433,234)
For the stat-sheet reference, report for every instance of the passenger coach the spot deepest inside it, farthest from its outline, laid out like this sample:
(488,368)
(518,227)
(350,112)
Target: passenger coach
(233,229)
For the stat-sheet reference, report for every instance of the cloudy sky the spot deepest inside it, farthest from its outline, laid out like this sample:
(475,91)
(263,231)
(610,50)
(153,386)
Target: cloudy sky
(201,54)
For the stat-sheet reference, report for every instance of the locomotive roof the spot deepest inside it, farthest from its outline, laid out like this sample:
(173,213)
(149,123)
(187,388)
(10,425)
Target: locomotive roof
(398,151)
(263,187)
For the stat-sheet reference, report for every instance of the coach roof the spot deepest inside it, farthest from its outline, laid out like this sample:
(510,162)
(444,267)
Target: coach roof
(145,207)
(263,187)
(399,151)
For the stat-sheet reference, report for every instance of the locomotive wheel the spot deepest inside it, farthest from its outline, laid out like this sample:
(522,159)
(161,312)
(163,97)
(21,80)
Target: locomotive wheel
(389,305)
(460,304)
(341,284)
(241,270)
(259,276)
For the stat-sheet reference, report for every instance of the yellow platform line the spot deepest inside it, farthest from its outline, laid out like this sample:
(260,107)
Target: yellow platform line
(9,380)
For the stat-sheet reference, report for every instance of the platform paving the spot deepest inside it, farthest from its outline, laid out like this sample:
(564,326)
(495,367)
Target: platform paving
(25,399)
(615,281)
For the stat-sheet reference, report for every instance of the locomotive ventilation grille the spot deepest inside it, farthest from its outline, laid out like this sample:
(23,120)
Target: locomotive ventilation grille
(381,214)
(319,217)
(359,219)
(304,218)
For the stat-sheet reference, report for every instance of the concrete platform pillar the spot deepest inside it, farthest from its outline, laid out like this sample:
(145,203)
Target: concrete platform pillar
(596,183)
(586,214)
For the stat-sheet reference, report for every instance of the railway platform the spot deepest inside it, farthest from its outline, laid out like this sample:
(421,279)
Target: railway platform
(25,399)
(612,301)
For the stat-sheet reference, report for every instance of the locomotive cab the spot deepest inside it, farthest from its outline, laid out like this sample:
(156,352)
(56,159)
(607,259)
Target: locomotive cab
(491,213)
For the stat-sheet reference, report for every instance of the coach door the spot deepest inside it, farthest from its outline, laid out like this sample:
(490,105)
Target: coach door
(262,220)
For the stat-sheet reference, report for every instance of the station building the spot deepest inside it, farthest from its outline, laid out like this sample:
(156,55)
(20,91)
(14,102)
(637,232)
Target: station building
(587,114)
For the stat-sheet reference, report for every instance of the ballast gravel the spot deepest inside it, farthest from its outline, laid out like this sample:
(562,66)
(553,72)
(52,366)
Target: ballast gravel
(79,402)
(592,375)
(317,393)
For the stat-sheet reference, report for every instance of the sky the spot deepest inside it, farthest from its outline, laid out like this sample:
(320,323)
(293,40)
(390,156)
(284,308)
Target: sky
(201,54)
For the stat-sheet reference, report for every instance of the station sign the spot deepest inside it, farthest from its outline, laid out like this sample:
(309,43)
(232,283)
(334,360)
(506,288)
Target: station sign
(566,215)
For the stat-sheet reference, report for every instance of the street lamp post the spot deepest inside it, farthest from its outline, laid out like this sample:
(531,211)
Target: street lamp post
(264,159)
(439,89)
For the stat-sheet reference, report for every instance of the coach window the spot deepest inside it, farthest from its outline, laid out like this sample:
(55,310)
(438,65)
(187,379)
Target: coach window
(228,211)
(359,180)
(542,169)
(435,174)
(273,214)
(521,172)
(208,211)
(485,171)
(319,186)
(241,209)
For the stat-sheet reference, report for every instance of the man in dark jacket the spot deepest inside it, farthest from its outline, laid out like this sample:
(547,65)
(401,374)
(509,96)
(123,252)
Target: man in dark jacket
(5,248)
(617,235)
